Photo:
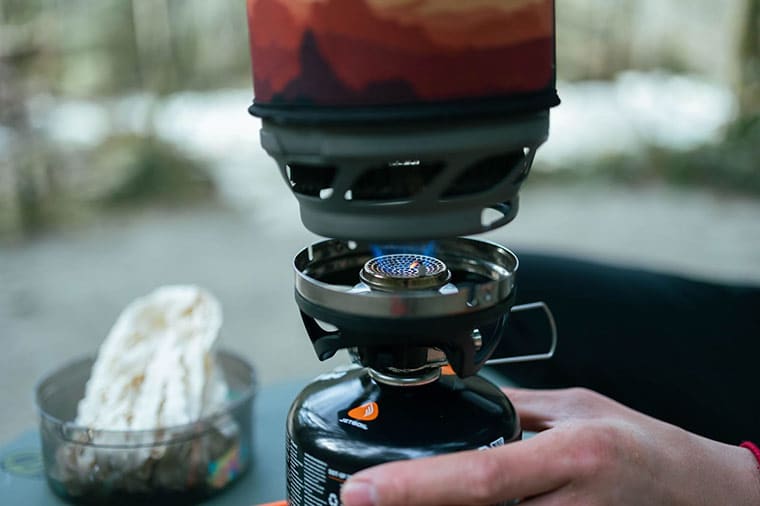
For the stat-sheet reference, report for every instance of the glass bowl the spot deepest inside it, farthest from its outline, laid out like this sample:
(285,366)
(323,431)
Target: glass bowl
(175,465)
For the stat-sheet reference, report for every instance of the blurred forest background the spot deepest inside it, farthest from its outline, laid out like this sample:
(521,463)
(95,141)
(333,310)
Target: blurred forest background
(86,88)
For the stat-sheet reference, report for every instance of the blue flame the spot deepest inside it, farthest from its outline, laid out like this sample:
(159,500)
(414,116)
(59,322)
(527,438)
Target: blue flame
(427,249)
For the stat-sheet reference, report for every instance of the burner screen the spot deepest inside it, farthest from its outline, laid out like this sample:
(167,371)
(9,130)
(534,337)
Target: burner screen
(405,271)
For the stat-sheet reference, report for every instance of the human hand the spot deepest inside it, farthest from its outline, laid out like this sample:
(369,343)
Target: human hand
(589,451)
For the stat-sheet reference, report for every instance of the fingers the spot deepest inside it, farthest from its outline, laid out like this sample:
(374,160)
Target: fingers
(559,497)
(543,409)
(516,470)
(536,408)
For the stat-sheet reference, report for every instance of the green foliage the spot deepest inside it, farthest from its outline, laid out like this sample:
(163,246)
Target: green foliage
(732,165)
(150,171)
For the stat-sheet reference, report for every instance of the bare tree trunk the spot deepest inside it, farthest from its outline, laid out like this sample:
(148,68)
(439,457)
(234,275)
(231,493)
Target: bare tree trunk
(749,59)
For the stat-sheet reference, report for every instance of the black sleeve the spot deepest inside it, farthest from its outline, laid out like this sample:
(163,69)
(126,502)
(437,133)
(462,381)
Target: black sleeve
(684,351)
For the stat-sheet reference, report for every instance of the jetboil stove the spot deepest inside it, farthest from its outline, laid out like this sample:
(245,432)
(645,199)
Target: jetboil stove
(401,126)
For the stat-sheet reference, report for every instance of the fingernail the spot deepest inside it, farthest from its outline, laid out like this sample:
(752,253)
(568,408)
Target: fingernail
(358,493)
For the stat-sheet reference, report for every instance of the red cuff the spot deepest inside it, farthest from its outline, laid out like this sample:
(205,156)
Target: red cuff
(754,449)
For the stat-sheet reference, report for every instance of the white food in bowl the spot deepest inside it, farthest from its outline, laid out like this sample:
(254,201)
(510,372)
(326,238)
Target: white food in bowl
(156,368)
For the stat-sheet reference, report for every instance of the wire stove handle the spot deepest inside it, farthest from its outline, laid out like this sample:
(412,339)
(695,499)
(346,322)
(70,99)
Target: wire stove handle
(532,306)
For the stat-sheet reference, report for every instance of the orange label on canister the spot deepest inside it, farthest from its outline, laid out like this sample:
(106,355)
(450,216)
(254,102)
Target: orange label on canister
(366,412)
(447,370)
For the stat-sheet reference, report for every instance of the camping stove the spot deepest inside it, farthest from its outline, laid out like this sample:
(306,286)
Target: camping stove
(393,309)
(419,327)
(400,126)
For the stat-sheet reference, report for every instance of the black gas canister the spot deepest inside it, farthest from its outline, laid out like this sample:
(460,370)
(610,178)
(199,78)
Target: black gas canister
(347,421)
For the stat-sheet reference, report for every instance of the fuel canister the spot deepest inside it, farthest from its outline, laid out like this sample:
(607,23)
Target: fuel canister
(346,421)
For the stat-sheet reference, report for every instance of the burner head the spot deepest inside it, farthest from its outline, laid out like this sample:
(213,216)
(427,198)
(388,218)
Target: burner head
(405,272)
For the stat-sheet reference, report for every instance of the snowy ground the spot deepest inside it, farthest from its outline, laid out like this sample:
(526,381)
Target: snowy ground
(595,119)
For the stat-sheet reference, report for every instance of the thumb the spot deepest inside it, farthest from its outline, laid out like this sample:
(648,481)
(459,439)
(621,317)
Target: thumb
(473,477)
